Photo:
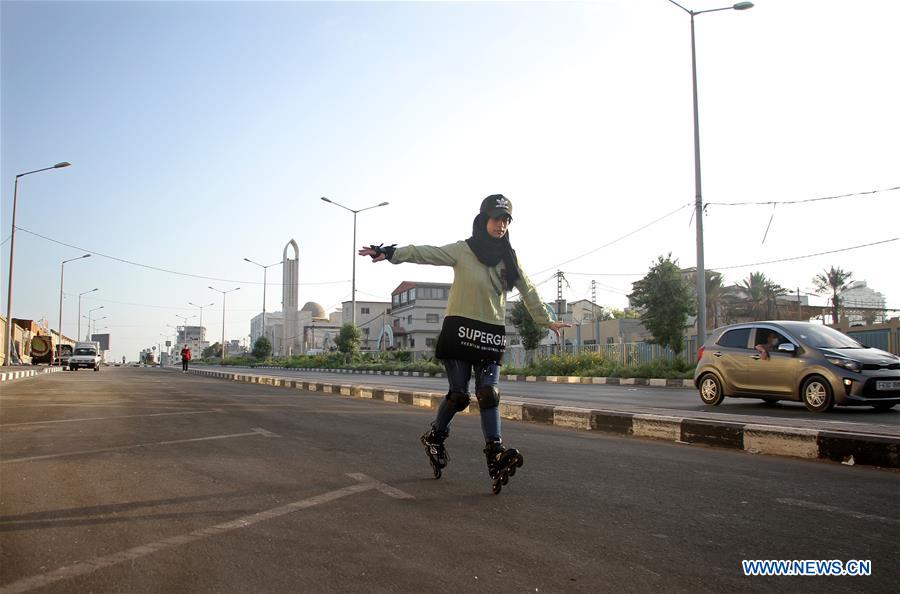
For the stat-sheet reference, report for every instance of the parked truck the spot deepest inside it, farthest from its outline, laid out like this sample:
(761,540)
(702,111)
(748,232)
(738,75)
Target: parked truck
(86,354)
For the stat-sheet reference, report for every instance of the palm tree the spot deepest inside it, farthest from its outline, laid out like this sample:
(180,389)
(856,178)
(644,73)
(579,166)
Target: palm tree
(715,292)
(835,280)
(763,294)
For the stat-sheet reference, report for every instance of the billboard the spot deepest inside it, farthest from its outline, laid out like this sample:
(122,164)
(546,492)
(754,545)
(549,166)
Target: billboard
(103,339)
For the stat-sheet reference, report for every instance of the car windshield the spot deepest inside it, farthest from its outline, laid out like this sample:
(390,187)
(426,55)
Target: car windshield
(88,352)
(823,337)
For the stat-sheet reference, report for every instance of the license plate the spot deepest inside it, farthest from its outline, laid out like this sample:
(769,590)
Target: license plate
(887,385)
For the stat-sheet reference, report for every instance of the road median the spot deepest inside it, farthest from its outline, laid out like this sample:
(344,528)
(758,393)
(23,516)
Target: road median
(847,447)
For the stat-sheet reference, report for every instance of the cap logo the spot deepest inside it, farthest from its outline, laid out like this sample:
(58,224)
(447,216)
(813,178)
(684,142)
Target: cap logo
(502,203)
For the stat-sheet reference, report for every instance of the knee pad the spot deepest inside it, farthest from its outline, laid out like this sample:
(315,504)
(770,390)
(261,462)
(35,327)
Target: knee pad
(488,397)
(459,400)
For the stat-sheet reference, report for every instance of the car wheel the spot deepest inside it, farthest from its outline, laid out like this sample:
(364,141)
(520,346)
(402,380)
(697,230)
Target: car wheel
(817,394)
(770,401)
(882,406)
(711,390)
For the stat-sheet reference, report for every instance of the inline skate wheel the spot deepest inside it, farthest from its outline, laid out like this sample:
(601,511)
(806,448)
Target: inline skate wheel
(437,473)
(495,487)
(504,478)
(520,461)
(512,471)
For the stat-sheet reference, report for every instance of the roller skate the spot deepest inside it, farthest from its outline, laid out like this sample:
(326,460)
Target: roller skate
(433,440)
(502,463)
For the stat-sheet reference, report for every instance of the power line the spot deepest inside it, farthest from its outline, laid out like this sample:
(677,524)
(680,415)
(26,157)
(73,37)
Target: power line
(846,249)
(166,270)
(805,200)
(618,239)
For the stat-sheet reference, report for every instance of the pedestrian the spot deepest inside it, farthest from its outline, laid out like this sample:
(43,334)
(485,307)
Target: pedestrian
(185,358)
(473,333)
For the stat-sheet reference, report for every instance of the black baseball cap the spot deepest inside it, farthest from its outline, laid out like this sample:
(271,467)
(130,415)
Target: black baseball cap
(497,205)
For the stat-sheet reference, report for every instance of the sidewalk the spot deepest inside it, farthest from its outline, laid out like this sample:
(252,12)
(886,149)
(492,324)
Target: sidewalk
(800,438)
(14,372)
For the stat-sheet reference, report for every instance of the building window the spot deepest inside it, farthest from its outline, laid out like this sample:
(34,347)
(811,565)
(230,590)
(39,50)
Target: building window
(430,343)
(412,294)
(409,319)
(396,300)
(403,296)
(364,310)
(412,342)
(366,331)
(432,318)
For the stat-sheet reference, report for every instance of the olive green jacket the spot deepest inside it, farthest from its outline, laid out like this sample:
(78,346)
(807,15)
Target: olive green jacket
(477,292)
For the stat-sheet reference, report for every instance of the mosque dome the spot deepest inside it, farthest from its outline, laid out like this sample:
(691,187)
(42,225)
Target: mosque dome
(316,310)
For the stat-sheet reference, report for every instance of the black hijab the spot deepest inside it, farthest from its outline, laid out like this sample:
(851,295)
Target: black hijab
(490,250)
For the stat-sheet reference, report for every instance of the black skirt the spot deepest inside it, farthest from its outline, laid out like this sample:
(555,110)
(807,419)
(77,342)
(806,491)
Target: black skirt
(470,340)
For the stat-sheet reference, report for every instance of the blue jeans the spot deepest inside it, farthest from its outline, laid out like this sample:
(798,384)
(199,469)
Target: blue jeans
(458,375)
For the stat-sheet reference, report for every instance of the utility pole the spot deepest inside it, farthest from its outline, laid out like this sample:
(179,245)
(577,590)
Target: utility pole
(799,306)
(560,310)
(596,314)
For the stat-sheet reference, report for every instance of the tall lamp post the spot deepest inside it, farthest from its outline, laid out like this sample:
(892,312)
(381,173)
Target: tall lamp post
(78,336)
(698,198)
(223,314)
(355,212)
(12,254)
(62,269)
(265,269)
(89,316)
(200,307)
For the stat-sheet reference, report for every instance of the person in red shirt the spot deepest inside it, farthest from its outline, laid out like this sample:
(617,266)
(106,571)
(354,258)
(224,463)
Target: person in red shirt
(185,358)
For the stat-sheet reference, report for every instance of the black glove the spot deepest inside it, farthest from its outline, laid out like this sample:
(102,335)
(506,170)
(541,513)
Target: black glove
(379,249)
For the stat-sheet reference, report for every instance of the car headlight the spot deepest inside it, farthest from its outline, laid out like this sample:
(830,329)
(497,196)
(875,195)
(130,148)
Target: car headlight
(845,363)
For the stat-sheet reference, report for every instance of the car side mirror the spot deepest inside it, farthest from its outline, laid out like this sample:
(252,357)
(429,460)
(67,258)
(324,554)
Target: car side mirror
(787,347)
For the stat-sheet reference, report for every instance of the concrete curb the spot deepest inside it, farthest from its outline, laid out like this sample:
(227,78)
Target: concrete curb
(14,375)
(657,382)
(754,438)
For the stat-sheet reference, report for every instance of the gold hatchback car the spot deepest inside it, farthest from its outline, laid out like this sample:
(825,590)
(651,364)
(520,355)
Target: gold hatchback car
(800,361)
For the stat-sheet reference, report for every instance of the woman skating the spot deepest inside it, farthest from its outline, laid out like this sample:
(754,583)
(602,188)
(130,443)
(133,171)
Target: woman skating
(473,335)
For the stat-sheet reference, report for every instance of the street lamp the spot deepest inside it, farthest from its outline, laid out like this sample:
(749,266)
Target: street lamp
(355,212)
(265,269)
(200,307)
(12,253)
(62,268)
(698,199)
(79,311)
(223,314)
(89,320)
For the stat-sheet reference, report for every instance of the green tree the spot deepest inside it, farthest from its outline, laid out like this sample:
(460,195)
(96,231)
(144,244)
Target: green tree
(666,300)
(763,294)
(262,348)
(348,340)
(715,293)
(530,332)
(837,281)
(213,350)
(611,313)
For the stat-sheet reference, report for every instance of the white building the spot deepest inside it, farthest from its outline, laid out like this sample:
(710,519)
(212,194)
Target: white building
(194,337)
(311,313)
(371,317)
(860,297)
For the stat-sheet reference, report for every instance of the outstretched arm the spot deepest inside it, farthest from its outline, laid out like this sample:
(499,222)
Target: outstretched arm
(445,255)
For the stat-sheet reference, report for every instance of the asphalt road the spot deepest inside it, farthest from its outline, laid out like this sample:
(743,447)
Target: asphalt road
(589,395)
(147,480)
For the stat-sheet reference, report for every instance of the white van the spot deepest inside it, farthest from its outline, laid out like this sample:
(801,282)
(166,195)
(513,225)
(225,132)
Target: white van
(85,354)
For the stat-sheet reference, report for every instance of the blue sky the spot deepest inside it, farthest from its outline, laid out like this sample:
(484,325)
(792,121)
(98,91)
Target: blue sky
(203,133)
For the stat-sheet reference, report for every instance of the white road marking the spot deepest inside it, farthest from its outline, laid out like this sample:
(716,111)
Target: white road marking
(838,510)
(253,432)
(196,412)
(91,565)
